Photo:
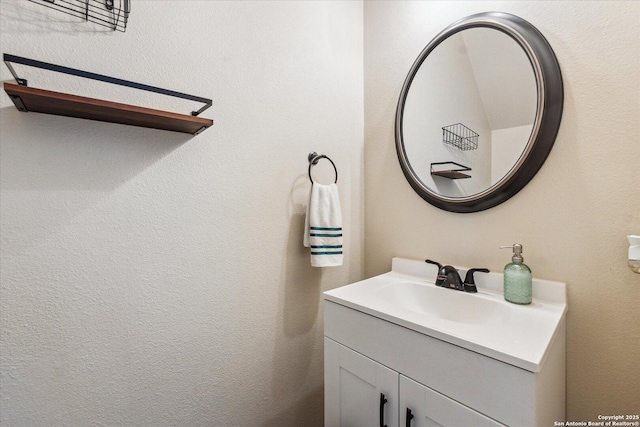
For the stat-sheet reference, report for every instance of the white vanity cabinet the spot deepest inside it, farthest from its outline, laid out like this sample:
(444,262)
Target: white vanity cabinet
(382,361)
(421,406)
(358,391)
(361,392)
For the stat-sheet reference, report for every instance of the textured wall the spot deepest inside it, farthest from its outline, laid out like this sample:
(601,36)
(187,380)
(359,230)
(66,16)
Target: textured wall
(573,216)
(151,278)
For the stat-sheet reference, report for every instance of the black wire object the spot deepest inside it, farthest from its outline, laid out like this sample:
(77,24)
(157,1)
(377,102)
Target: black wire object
(102,12)
(460,136)
(314,158)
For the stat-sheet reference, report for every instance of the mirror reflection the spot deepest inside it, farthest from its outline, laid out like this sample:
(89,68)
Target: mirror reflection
(469,112)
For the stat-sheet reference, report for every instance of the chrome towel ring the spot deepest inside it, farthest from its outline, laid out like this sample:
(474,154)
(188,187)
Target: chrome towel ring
(314,158)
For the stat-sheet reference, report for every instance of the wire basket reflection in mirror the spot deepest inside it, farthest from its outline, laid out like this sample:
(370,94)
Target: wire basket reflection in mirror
(460,137)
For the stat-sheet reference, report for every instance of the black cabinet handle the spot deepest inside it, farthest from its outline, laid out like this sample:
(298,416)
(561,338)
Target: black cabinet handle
(409,417)
(383,400)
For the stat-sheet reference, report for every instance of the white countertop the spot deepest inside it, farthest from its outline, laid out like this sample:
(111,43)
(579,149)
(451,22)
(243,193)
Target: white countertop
(482,322)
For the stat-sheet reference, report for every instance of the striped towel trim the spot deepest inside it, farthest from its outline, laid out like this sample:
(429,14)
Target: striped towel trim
(336,232)
(315,252)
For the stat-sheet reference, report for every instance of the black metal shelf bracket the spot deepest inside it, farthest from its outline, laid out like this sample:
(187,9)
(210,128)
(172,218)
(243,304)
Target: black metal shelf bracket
(9,59)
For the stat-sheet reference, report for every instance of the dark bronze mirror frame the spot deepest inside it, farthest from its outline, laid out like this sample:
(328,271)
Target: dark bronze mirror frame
(548,116)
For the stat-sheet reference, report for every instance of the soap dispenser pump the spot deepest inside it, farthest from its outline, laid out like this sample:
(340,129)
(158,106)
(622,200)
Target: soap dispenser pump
(518,281)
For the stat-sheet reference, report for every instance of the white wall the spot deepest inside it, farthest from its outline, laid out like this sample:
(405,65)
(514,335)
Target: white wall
(506,80)
(508,145)
(154,278)
(572,218)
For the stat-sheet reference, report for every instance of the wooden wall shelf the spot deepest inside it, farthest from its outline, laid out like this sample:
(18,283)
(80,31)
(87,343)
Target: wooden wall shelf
(44,101)
(62,104)
(451,170)
(451,174)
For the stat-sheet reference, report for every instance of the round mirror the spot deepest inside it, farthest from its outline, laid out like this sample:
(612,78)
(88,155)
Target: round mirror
(479,112)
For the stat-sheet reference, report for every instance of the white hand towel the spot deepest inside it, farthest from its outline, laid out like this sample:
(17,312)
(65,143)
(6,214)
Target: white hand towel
(323,226)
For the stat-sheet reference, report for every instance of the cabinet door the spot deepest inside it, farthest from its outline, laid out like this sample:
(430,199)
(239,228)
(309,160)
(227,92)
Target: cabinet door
(421,406)
(357,390)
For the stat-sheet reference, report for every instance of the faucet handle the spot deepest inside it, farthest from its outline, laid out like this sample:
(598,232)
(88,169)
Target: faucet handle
(469,283)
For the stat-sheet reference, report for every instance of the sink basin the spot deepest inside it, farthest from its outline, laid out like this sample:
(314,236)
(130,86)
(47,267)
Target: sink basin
(446,304)
(482,322)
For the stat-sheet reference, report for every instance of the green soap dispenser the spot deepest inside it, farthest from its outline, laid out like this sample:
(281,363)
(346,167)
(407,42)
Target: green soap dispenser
(518,281)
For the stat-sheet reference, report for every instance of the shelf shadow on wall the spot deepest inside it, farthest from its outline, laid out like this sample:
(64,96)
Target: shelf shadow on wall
(52,153)
(55,168)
